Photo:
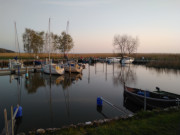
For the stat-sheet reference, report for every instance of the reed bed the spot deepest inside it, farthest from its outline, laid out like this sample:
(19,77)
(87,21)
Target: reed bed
(170,64)
(158,56)
(54,55)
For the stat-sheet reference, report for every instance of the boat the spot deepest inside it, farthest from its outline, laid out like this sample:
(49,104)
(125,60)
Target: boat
(113,59)
(127,60)
(74,67)
(16,63)
(51,68)
(150,99)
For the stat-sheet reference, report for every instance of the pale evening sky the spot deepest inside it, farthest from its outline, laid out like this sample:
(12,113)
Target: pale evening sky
(93,23)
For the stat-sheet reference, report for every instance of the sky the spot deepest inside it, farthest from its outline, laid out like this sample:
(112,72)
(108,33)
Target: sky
(94,23)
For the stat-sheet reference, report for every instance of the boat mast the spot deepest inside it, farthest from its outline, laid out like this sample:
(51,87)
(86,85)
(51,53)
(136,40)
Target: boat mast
(67,29)
(49,39)
(16,39)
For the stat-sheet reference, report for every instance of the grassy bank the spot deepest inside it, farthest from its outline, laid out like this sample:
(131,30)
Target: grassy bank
(144,123)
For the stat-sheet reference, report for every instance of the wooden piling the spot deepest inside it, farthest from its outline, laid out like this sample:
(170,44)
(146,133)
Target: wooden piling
(69,68)
(12,120)
(6,121)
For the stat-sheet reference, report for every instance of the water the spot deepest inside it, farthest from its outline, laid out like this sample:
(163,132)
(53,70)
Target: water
(65,100)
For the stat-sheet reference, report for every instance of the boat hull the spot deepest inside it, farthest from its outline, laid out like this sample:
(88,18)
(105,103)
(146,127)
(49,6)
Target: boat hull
(53,69)
(148,101)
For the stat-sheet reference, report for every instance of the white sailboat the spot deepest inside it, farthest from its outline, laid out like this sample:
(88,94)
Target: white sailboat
(16,63)
(51,68)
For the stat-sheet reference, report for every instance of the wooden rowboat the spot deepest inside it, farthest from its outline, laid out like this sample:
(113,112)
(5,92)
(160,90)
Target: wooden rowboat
(150,99)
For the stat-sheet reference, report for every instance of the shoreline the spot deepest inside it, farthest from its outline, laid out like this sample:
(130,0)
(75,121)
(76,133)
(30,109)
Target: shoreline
(107,123)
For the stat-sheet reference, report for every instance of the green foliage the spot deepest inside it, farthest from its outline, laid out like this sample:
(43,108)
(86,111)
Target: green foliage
(64,42)
(33,41)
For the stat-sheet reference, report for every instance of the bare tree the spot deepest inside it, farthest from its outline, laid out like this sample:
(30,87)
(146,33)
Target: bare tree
(126,44)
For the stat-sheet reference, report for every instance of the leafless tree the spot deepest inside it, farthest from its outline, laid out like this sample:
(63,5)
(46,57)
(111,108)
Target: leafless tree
(126,44)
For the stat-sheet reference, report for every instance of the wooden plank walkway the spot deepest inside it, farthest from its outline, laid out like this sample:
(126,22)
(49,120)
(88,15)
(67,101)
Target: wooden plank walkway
(23,70)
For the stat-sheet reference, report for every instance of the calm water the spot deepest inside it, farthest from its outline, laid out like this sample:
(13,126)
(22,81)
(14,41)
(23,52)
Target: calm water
(64,100)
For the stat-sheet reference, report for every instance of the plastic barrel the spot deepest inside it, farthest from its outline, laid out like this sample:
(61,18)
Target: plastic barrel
(19,113)
(99,101)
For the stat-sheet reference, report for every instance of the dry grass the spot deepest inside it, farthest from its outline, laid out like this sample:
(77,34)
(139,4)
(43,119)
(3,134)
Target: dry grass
(53,55)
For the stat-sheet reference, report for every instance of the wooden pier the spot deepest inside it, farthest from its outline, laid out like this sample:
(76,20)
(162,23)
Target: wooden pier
(22,70)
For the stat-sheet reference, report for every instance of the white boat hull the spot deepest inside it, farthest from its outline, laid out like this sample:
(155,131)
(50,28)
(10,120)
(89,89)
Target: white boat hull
(53,69)
(127,60)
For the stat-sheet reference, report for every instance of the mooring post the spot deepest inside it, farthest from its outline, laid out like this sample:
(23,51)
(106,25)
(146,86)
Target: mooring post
(26,75)
(18,70)
(69,68)
(95,68)
(10,64)
(6,121)
(12,120)
(145,100)
(178,100)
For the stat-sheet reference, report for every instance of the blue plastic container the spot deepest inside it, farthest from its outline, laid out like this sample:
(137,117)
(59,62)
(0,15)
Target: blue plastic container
(19,113)
(142,93)
(99,101)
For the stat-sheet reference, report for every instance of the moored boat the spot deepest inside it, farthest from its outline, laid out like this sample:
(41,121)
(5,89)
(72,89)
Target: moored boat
(150,99)
(127,60)
(113,59)
(53,69)
(73,67)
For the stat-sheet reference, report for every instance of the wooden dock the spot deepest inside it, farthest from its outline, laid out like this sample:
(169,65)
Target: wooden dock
(22,70)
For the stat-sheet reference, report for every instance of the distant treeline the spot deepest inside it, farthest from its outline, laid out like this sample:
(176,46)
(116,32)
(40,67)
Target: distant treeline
(5,51)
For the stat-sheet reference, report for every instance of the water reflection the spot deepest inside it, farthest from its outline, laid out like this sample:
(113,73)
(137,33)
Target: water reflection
(99,109)
(34,82)
(70,99)
(37,80)
(163,70)
(126,74)
(70,79)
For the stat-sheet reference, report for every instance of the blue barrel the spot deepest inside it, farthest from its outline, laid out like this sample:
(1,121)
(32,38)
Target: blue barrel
(99,101)
(19,113)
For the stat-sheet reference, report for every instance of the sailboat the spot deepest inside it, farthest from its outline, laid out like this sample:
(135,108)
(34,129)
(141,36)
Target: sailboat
(15,63)
(72,66)
(51,68)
